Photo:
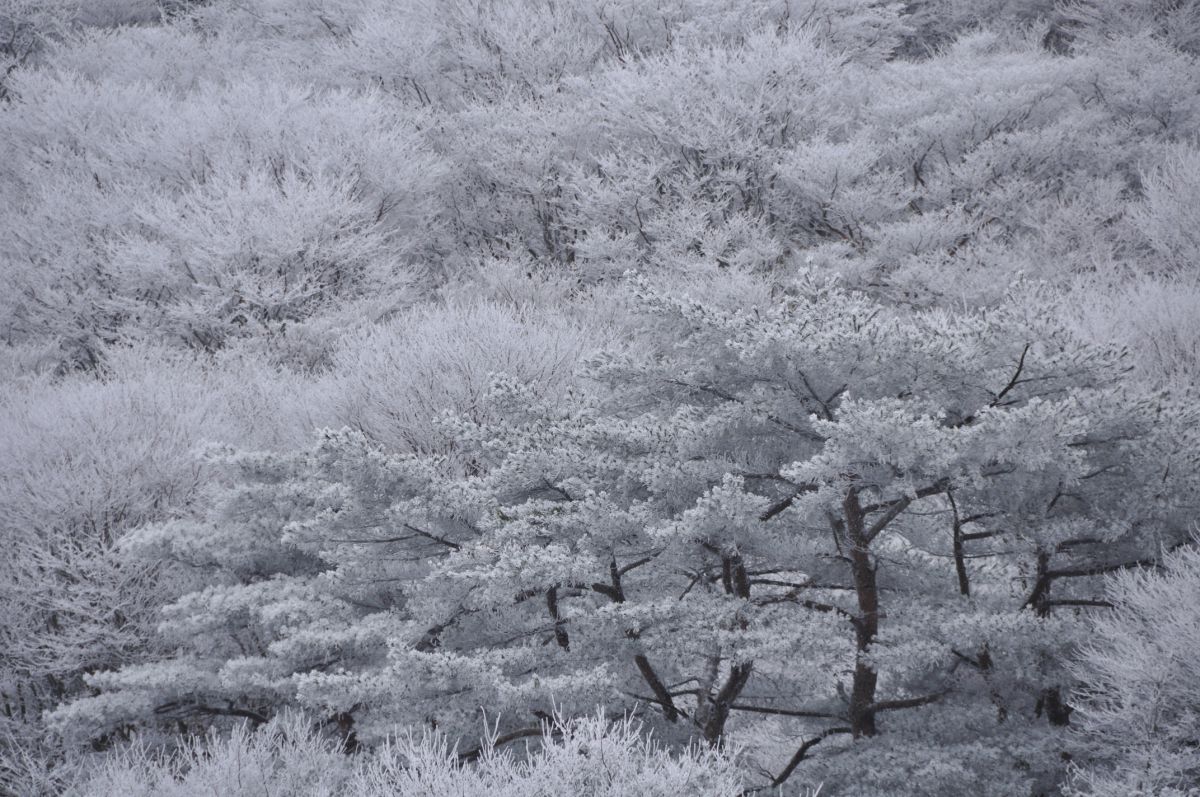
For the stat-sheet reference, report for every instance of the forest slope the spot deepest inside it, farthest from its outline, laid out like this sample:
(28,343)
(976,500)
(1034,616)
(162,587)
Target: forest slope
(808,385)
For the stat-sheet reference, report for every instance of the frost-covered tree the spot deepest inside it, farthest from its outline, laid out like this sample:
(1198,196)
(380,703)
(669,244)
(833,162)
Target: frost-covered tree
(83,461)
(1138,700)
(391,380)
(805,506)
(747,486)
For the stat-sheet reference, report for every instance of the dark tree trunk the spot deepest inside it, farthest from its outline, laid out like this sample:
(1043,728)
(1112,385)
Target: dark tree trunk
(560,629)
(1057,711)
(720,703)
(1039,598)
(960,558)
(714,711)
(616,593)
(862,694)
(866,625)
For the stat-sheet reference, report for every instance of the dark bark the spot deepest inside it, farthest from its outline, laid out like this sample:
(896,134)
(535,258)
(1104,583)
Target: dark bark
(523,733)
(786,712)
(734,577)
(661,693)
(960,562)
(713,716)
(1057,711)
(722,702)
(343,721)
(802,753)
(560,630)
(1038,598)
(866,625)
(616,593)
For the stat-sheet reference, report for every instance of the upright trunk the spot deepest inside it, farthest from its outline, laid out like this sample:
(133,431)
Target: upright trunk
(960,557)
(560,627)
(1038,599)
(616,593)
(716,713)
(713,703)
(1057,711)
(866,625)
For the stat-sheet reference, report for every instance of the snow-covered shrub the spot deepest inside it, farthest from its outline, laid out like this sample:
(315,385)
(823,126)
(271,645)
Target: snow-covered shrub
(589,757)
(1174,22)
(221,212)
(1139,694)
(391,380)
(1154,316)
(1167,216)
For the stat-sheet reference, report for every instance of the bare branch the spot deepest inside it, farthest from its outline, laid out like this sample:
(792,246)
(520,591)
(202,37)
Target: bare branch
(1016,378)
(1079,602)
(779,506)
(807,434)
(786,712)
(909,702)
(1099,570)
(670,711)
(791,597)
(802,752)
(230,710)
(654,701)
(434,537)
(524,733)
(795,585)
(937,488)
(634,565)
(881,524)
